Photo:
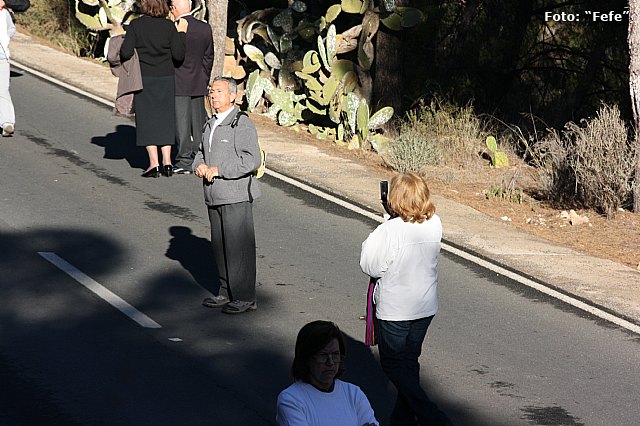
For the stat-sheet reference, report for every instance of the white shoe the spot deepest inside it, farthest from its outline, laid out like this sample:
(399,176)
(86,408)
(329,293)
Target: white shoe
(7,130)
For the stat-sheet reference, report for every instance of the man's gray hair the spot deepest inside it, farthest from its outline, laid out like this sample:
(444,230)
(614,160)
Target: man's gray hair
(233,86)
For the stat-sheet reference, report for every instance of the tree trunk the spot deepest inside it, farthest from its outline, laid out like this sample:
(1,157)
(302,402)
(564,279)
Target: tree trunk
(634,89)
(218,21)
(388,79)
(387,86)
(458,34)
(592,69)
(514,34)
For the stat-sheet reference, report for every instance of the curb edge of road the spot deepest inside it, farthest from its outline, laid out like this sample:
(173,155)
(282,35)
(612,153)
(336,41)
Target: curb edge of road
(622,321)
(633,325)
(58,82)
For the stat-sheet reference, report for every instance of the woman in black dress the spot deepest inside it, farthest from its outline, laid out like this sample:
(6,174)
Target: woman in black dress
(158,42)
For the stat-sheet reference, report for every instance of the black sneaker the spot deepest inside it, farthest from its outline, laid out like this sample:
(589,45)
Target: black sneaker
(181,171)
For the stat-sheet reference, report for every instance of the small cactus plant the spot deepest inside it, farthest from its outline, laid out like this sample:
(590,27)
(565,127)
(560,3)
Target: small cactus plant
(498,158)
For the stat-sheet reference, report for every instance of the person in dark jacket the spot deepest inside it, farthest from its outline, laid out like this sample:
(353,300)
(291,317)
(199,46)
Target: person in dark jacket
(158,42)
(192,79)
(227,159)
(18,5)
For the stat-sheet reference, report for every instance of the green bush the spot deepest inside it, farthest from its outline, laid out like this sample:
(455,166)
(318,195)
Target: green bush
(437,134)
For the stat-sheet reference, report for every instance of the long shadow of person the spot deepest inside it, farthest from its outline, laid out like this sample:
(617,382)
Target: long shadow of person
(364,370)
(121,144)
(195,255)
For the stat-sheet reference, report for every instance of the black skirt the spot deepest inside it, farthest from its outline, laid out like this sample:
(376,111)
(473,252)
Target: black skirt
(156,111)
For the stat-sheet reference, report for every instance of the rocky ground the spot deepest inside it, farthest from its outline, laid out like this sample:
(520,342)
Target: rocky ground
(586,231)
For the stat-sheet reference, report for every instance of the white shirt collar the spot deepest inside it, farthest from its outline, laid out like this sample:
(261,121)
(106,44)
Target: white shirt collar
(220,116)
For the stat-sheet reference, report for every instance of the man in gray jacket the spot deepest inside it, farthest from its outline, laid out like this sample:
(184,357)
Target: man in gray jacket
(227,159)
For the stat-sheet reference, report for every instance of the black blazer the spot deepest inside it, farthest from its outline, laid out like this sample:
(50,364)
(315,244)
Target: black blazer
(192,74)
(157,42)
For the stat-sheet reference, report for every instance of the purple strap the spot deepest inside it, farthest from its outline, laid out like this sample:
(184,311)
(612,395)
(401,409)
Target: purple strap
(370,335)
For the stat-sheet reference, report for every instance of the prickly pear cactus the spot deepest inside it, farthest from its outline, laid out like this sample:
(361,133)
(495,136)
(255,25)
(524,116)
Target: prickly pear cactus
(111,15)
(498,158)
(105,15)
(362,120)
(389,5)
(380,118)
(352,6)
(318,68)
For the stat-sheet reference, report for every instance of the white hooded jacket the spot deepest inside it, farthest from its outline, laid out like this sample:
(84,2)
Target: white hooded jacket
(404,256)
(7,30)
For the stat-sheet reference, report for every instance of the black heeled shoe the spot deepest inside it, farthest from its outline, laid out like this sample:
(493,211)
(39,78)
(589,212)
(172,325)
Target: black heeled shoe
(152,172)
(167,170)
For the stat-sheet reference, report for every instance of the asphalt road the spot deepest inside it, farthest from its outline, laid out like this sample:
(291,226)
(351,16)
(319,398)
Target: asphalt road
(70,191)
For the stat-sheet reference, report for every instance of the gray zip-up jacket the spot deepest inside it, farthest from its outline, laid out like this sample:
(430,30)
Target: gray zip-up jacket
(236,153)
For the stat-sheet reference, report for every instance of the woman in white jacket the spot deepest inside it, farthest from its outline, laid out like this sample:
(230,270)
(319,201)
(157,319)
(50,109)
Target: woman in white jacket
(402,253)
(7,113)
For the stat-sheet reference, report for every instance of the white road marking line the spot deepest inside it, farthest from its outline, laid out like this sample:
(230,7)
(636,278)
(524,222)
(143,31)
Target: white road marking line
(546,290)
(99,290)
(61,83)
(324,195)
(522,280)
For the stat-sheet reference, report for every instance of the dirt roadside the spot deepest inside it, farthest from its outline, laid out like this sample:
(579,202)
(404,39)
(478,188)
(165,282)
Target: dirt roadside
(596,261)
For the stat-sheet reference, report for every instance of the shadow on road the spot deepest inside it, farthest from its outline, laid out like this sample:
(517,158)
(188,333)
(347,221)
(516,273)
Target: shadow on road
(81,360)
(195,255)
(121,144)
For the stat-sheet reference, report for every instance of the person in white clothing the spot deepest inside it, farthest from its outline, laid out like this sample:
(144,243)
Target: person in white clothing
(317,397)
(402,254)
(7,113)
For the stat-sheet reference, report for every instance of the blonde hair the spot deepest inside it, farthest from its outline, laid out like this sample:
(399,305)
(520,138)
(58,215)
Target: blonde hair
(409,198)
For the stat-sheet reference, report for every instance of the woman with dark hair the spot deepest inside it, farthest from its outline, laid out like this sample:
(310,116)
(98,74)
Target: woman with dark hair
(402,254)
(317,397)
(158,42)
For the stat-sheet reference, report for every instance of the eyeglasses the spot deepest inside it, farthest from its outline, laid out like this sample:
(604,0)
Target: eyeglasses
(323,358)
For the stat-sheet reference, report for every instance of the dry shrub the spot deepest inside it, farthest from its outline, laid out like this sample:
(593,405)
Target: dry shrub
(591,165)
(54,20)
(437,134)
(415,146)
